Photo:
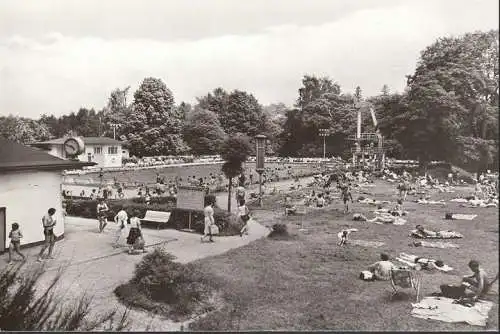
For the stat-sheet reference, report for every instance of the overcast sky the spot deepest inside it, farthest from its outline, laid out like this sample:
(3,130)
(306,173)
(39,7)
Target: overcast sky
(59,55)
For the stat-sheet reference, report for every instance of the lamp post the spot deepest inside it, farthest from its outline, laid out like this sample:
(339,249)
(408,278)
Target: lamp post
(324,133)
(260,151)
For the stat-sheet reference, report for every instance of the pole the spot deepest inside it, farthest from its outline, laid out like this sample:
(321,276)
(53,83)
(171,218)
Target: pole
(324,147)
(114,131)
(260,189)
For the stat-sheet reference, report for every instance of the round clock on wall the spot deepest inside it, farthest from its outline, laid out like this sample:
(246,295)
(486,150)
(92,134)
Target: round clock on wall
(73,146)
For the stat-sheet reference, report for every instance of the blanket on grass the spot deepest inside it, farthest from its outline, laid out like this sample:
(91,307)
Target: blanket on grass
(435,244)
(366,243)
(443,309)
(462,216)
(439,235)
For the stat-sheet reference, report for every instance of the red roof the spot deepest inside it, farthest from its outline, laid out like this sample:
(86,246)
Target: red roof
(15,156)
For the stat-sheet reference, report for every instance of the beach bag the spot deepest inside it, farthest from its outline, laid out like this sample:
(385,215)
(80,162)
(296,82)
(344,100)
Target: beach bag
(214,229)
(452,291)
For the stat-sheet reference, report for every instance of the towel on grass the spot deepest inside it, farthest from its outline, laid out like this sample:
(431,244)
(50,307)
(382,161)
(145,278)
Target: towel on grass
(439,235)
(435,244)
(461,216)
(443,309)
(366,243)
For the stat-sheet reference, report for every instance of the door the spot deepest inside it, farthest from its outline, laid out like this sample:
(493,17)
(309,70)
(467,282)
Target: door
(89,157)
(3,228)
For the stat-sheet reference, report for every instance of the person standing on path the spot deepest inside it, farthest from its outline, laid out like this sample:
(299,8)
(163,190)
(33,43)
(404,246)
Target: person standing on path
(134,232)
(121,220)
(15,236)
(244,215)
(208,211)
(102,209)
(49,222)
(240,193)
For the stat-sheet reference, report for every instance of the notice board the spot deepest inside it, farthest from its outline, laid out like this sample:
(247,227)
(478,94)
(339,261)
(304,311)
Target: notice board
(190,198)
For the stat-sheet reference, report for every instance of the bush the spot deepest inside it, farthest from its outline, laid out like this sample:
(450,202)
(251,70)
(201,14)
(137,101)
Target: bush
(279,230)
(228,222)
(22,310)
(168,200)
(88,208)
(162,285)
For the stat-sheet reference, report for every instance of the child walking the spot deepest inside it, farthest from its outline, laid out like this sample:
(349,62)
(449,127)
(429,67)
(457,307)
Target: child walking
(15,236)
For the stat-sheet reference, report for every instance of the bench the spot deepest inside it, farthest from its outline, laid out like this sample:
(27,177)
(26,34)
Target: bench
(158,217)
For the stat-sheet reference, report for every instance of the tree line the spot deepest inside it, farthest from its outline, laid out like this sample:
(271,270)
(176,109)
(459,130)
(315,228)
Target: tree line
(448,111)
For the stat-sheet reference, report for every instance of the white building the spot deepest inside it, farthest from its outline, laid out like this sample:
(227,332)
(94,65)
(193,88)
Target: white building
(30,184)
(104,151)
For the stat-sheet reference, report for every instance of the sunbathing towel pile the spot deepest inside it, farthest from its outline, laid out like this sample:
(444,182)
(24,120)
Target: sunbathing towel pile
(435,244)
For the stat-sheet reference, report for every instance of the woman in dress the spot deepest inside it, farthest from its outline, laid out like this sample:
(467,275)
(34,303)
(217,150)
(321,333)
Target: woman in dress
(134,231)
(244,215)
(209,221)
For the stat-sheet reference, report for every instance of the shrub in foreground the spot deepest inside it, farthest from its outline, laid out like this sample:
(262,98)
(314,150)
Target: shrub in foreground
(279,230)
(164,286)
(23,309)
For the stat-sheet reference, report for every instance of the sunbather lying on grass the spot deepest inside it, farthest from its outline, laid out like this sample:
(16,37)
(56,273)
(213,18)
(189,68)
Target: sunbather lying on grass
(424,201)
(422,232)
(422,263)
(385,218)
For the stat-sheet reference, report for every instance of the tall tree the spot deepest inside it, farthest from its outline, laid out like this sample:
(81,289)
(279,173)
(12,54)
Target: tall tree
(153,126)
(238,111)
(454,92)
(23,130)
(234,151)
(320,105)
(203,132)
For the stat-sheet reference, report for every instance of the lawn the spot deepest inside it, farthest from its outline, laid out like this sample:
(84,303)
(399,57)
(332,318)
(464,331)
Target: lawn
(309,283)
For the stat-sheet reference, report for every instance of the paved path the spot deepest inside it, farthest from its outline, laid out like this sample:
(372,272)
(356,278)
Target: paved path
(93,266)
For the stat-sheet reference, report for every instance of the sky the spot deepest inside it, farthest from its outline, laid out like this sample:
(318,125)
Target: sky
(59,55)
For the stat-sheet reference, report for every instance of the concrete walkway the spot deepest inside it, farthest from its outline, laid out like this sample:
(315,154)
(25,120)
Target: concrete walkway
(91,265)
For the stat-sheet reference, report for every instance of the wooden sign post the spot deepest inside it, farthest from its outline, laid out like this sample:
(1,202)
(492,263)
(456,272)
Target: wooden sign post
(190,198)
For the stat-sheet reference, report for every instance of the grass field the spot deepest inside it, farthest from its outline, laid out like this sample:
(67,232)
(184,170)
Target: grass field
(309,283)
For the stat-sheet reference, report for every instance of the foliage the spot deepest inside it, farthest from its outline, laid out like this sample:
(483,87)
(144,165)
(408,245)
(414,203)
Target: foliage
(22,308)
(86,123)
(23,130)
(234,150)
(454,92)
(320,106)
(228,222)
(88,208)
(237,111)
(279,230)
(153,125)
(203,132)
(159,281)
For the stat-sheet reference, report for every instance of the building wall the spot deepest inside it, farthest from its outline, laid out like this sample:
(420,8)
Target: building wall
(103,159)
(27,196)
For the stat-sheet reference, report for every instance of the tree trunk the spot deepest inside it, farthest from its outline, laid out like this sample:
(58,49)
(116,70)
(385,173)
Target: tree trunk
(229,188)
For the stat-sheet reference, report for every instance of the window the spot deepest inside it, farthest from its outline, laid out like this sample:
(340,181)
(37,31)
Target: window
(112,150)
(97,150)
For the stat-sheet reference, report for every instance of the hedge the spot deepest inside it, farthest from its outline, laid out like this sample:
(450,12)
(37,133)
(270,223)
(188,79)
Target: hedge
(227,222)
